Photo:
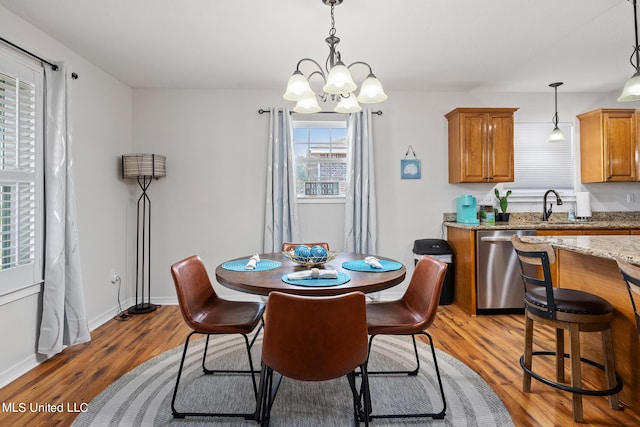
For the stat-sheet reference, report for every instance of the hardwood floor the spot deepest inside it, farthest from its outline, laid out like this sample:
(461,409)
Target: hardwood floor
(490,345)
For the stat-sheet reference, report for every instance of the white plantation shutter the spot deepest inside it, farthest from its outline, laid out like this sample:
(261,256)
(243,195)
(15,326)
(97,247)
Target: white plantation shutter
(20,148)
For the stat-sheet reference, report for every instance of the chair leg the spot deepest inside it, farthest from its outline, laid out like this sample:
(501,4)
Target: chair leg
(178,414)
(361,411)
(528,352)
(251,370)
(175,413)
(268,391)
(609,366)
(263,410)
(412,372)
(248,344)
(357,398)
(365,393)
(560,355)
(576,376)
(435,415)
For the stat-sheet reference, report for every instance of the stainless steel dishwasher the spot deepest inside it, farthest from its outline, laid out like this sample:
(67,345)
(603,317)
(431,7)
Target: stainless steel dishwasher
(499,284)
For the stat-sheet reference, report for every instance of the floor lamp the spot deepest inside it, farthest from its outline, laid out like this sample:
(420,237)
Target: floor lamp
(145,168)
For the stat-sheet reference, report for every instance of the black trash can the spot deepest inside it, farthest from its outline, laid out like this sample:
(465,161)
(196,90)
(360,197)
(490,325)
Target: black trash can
(439,249)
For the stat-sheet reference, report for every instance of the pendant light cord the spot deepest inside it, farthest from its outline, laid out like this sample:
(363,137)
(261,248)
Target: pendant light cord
(555,116)
(636,51)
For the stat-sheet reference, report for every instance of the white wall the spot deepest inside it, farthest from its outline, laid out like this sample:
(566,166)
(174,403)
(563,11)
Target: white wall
(101,111)
(215,141)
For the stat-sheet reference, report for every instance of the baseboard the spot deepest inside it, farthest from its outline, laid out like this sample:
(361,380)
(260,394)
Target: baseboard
(19,369)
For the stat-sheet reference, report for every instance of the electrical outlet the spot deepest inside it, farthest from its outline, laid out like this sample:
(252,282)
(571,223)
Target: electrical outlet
(630,197)
(115,277)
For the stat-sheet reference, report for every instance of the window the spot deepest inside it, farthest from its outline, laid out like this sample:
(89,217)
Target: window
(320,158)
(20,174)
(540,165)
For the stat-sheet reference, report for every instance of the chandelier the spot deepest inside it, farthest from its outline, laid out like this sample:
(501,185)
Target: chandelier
(338,83)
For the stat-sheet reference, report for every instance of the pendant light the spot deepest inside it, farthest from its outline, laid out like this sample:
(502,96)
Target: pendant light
(556,133)
(631,91)
(338,84)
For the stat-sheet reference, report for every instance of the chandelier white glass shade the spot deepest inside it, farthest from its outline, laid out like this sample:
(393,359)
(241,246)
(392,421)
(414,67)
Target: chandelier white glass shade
(348,105)
(556,133)
(631,91)
(337,81)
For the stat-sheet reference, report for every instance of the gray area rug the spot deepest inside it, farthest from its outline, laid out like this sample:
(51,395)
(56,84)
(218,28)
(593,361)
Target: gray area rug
(143,396)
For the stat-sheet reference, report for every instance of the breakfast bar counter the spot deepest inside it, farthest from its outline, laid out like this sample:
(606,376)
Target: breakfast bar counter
(626,247)
(588,263)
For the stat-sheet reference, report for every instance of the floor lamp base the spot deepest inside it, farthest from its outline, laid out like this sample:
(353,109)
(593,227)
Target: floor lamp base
(142,308)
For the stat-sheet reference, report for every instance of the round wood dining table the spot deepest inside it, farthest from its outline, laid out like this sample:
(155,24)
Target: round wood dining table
(263,282)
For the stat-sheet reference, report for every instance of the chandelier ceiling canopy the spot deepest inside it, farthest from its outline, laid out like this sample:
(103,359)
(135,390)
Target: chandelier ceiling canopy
(338,84)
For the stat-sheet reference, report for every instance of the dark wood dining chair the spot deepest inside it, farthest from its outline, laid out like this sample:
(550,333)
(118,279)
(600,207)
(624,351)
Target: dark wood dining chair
(411,315)
(289,246)
(314,339)
(208,314)
(631,275)
(563,309)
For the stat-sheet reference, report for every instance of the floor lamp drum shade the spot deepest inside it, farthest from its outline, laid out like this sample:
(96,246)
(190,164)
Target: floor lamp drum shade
(145,168)
(144,165)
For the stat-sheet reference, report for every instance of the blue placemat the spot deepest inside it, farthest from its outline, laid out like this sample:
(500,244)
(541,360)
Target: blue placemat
(360,265)
(262,265)
(340,280)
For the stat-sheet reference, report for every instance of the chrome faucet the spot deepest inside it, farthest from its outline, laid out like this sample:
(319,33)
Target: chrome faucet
(547,213)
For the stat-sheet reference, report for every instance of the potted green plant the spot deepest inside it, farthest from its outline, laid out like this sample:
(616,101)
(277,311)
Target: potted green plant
(503,215)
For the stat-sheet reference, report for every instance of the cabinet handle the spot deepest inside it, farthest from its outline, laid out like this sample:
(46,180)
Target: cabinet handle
(496,239)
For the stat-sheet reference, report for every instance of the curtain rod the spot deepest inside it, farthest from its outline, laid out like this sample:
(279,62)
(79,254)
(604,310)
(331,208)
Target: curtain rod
(263,111)
(54,67)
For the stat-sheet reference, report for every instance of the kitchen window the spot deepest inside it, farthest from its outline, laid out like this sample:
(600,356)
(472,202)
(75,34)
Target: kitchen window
(320,159)
(540,165)
(20,173)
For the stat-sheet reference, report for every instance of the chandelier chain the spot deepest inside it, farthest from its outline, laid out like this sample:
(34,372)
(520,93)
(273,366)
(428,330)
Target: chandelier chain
(332,31)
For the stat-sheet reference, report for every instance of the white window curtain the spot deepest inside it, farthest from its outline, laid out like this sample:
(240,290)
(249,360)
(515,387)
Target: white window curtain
(361,225)
(281,212)
(64,321)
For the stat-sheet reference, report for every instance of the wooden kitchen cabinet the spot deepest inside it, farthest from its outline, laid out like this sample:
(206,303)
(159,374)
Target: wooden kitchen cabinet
(481,144)
(605,232)
(609,145)
(463,243)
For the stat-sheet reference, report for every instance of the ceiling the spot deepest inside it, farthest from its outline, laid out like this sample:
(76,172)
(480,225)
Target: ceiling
(434,45)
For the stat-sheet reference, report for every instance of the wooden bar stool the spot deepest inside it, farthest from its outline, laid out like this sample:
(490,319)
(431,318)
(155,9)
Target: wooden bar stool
(631,275)
(564,309)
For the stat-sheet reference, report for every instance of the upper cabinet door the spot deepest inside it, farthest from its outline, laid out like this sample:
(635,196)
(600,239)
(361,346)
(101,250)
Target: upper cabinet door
(473,137)
(500,147)
(609,145)
(620,147)
(481,144)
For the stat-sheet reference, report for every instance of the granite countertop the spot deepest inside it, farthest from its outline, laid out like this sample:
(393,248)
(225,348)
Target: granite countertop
(558,221)
(626,247)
